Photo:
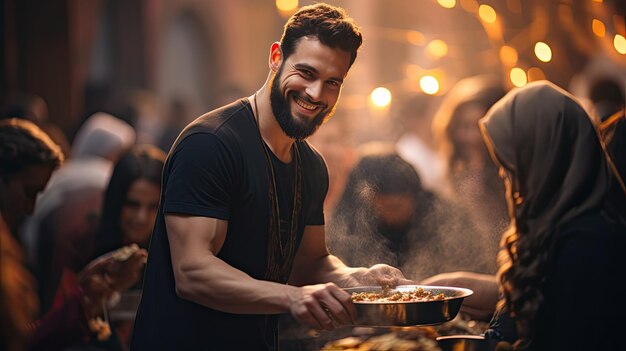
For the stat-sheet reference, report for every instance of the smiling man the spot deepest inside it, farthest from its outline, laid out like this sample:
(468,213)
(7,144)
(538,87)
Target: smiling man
(239,237)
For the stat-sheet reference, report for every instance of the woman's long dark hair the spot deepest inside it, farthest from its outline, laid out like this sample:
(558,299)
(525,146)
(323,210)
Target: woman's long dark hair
(140,162)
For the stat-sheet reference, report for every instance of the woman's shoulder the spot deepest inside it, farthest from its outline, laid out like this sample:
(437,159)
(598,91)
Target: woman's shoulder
(594,222)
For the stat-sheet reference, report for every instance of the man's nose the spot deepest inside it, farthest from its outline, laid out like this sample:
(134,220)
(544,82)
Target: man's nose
(314,90)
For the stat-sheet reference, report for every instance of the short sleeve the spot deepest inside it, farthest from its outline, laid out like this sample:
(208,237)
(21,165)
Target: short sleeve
(200,178)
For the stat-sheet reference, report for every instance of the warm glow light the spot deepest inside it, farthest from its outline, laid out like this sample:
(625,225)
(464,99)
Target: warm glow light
(535,73)
(286,5)
(380,97)
(518,77)
(566,14)
(412,71)
(620,44)
(487,13)
(508,55)
(437,48)
(600,1)
(598,28)
(429,85)
(543,51)
(414,37)
(514,6)
(469,5)
(447,3)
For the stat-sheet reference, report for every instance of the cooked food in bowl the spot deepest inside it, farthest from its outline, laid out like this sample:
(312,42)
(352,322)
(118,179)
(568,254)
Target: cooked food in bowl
(425,305)
(391,295)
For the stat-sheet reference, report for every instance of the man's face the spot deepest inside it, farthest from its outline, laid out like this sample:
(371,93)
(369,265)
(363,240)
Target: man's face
(306,87)
(394,210)
(22,190)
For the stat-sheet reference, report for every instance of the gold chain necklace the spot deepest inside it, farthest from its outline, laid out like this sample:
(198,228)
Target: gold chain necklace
(279,262)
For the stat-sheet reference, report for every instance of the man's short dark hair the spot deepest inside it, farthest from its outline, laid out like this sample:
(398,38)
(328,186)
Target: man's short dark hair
(23,144)
(330,24)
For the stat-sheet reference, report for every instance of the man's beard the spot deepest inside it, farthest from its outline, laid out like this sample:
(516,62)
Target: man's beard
(295,128)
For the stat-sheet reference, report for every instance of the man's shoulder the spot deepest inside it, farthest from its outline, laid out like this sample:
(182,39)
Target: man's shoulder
(215,120)
(224,122)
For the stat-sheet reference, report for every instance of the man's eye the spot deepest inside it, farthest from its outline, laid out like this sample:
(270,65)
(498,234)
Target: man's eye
(307,74)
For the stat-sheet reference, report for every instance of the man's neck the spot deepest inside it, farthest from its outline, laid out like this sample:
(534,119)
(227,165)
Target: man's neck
(271,132)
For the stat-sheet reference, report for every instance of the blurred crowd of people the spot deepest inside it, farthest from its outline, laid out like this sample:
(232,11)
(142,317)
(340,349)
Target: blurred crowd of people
(76,221)
(431,203)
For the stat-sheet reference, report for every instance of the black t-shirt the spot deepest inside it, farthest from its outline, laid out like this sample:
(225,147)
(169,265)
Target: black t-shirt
(217,168)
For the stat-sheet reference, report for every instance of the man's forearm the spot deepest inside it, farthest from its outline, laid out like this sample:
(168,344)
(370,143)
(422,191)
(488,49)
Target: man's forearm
(217,285)
(328,268)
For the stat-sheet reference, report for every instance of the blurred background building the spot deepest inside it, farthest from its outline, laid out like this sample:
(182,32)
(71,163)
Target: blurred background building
(152,57)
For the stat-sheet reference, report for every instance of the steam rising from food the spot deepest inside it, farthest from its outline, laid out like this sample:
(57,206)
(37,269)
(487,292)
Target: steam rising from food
(440,236)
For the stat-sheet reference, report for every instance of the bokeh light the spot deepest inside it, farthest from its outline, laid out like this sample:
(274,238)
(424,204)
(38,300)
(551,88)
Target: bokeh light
(620,44)
(429,85)
(508,55)
(543,51)
(447,3)
(598,27)
(414,37)
(381,97)
(437,48)
(518,77)
(487,13)
(286,5)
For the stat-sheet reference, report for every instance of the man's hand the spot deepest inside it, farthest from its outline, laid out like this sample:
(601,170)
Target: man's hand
(322,306)
(377,275)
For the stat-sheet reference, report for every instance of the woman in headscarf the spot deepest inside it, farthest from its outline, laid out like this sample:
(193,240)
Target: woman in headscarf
(385,216)
(561,259)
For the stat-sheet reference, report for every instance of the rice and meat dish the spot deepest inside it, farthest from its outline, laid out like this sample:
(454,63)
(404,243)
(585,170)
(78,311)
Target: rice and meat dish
(390,295)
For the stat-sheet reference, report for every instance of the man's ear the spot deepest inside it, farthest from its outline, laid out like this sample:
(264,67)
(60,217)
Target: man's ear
(276,57)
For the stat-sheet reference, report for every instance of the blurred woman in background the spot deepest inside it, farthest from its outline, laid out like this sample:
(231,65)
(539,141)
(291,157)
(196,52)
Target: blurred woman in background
(128,214)
(131,200)
(472,179)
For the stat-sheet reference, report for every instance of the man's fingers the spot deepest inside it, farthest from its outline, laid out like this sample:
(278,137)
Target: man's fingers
(343,301)
(323,317)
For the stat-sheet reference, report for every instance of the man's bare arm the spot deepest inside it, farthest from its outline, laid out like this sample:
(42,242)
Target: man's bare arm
(205,279)
(315,264)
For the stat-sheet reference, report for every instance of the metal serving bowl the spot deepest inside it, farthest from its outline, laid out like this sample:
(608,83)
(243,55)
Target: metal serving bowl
(384,314)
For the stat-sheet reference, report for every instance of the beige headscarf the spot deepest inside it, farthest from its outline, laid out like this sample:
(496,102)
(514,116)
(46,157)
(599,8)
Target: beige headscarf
(545,138)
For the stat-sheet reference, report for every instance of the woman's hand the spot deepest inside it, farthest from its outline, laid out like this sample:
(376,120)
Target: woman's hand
(112,272)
